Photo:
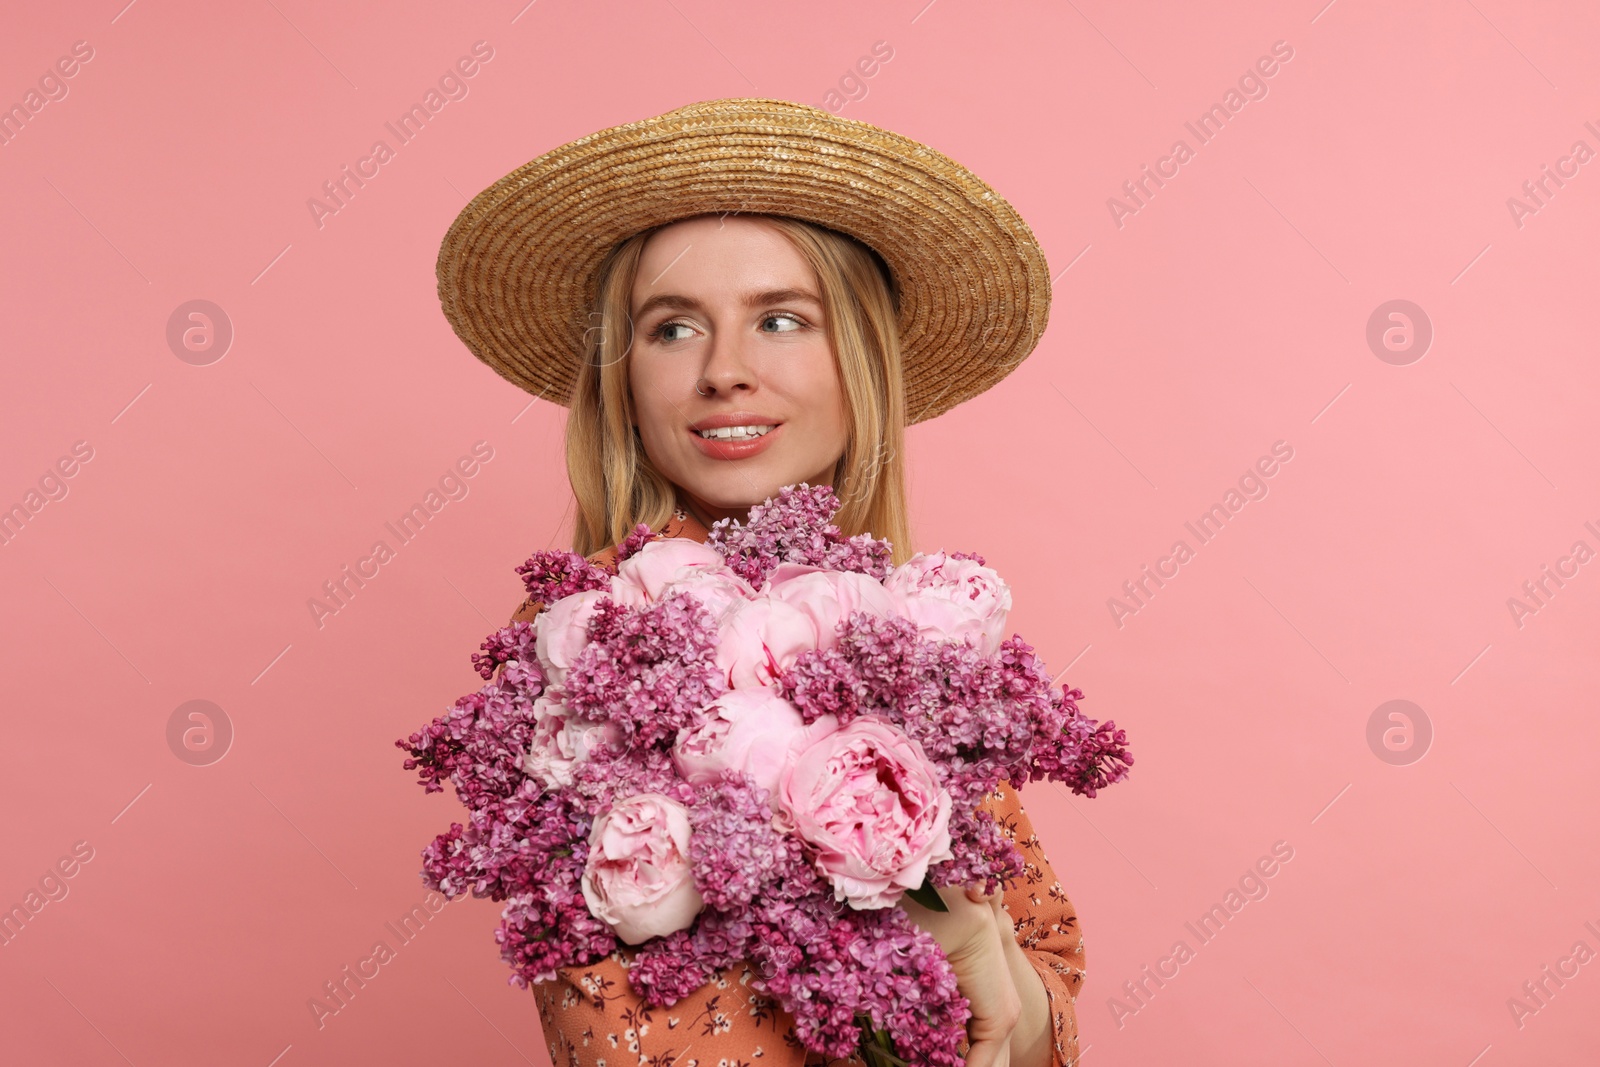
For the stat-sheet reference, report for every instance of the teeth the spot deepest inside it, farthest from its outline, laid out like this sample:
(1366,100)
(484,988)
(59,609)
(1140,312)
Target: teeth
(735,433)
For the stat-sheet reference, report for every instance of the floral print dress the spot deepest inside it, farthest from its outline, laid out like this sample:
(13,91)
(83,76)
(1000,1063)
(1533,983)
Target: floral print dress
(592,1017)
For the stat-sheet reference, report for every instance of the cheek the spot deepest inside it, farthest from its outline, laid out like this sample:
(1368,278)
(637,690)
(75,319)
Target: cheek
(823,391)
(659,396)
(644,397)
(650,422)
(658,429)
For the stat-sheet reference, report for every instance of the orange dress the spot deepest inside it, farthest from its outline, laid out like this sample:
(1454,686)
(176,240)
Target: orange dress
(592,1017)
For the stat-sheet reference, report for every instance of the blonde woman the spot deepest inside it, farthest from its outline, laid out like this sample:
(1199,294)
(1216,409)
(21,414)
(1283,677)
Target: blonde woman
(730,298)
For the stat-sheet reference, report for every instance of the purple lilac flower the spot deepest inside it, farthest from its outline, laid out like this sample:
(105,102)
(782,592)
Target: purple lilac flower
(551,574)
(1085,755)
(830,965)
(983,853)
(478,744)
(825,683)
(877,665)
(637,538)
(735,851)
(529,852)
(665,971)
(544,929)
(507,643)
(612,775)
(795,527)
(646,669)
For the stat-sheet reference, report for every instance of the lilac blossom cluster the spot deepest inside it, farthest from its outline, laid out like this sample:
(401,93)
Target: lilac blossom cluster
(676,755)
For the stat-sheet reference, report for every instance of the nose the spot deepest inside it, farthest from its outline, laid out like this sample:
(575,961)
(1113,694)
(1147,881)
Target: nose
(728,369)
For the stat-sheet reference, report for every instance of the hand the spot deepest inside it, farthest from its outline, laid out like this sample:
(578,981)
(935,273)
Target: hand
(970,934)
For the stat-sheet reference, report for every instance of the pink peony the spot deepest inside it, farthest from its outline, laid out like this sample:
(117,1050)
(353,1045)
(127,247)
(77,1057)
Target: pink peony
(869,804)
(561,740)
(720,590)
(760,639)
(748,730)
(559,629)
(952,598)
(637,877)
(664,559)
(827,597)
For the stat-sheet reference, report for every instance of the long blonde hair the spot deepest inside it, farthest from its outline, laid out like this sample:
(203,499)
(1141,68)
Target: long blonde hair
(613,481)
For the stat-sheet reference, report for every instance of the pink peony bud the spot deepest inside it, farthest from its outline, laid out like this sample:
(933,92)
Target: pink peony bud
(720,590)
(760,639)
(664,559)
(637,877)
(952,599)
(748,730)
(559,630)
(561,740)
(828,597)
(868,803)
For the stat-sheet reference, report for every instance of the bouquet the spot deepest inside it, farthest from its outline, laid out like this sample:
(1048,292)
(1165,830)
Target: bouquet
(750,749)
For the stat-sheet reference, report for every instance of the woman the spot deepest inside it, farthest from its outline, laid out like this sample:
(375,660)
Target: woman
(755,315)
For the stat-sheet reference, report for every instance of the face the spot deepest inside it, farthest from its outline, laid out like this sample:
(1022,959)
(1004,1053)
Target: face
(729,303)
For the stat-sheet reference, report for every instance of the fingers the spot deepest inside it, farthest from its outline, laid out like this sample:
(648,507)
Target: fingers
(968,935)
(1002,915)
(976,894)
(989,1052)
(967,928)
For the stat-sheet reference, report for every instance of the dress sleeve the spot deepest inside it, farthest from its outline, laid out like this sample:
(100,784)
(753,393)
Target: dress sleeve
(527,610)
(592,1016)
(1046,924)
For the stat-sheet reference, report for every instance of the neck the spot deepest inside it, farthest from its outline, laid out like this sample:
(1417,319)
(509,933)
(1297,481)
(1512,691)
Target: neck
(706,514)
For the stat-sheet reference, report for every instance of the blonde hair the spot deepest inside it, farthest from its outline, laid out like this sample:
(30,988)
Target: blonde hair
(615,485)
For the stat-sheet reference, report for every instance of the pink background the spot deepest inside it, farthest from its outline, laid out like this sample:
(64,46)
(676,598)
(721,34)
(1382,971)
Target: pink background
(1228,313)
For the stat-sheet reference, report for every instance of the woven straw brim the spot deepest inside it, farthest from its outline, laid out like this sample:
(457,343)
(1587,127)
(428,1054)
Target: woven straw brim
(519,268)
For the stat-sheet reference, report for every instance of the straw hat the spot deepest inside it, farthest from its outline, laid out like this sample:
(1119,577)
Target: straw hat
(519,267)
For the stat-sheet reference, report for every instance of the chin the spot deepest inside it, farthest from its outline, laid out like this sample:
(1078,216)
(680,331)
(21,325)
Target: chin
(740,488)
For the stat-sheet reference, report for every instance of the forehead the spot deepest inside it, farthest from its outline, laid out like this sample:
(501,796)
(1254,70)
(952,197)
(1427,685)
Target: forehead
(715,251)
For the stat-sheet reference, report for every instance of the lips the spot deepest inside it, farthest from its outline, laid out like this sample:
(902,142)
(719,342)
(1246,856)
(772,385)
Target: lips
(728,450)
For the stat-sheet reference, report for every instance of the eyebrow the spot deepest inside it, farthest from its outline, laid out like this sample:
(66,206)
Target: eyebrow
(751,300)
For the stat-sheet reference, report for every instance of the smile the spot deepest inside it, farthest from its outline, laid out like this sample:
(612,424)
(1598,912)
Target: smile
(737,442)
(736,433)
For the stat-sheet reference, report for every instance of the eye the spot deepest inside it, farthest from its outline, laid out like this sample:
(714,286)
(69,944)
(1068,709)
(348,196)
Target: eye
(784,316)
(660,333)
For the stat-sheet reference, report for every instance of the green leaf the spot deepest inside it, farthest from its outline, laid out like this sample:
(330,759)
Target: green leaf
(878,1050)
(877,1047)
(927,896)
